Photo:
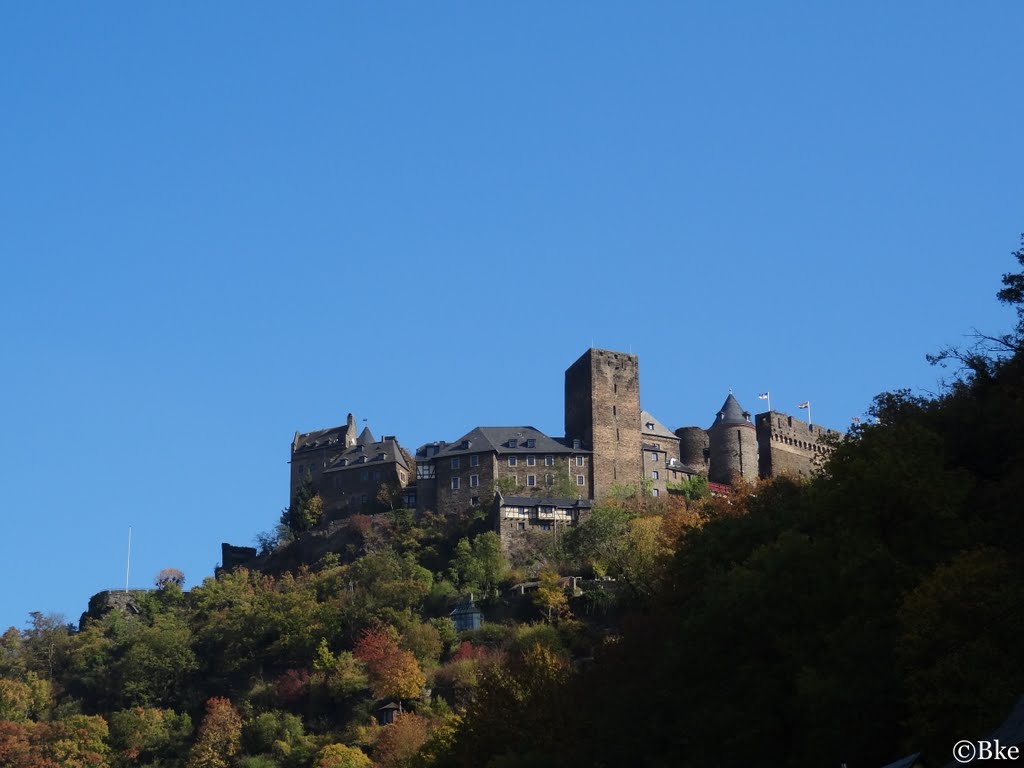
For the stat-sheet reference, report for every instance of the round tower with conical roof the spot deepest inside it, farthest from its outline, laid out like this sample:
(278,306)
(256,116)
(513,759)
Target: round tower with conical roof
(732,444)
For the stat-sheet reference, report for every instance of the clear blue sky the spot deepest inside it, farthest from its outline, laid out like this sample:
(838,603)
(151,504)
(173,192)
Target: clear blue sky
(222,222)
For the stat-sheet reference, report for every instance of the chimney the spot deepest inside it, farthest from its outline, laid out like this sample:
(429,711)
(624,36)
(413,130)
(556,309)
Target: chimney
(350,431)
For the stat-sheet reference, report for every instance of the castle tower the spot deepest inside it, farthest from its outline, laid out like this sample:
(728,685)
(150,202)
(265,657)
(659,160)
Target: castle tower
(602,410)
(693,449)
(732,443)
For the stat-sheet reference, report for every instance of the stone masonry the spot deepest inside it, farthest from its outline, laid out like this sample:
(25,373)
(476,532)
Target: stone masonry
(789,446)
(602,409)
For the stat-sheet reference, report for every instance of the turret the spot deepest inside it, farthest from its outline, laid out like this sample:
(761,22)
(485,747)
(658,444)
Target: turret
(732,445)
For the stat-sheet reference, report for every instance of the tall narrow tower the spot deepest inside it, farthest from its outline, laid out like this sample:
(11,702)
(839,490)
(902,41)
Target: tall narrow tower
(602,410)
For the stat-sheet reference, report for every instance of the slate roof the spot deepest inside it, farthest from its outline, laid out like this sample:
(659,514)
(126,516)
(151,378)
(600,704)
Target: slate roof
(538,501)
(321,438)
(731,414)
(362,455)
(650,426)
(501,440)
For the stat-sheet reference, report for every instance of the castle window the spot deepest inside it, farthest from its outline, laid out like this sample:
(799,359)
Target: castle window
(531,443)
(655,475)
(549,461)
(654,456)
(376,474)
(579,461)
(654,492)
(475,501)
(531,480)
(580,480)
(456,462)
(474,460)
(521,526)
(513,443)
(455,483)
(511,461)
(425,472)
(474,481)
(577,443)
(365,475)
(615,411)
(549,479)
(531,460)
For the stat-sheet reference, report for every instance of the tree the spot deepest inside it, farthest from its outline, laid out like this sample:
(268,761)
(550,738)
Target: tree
(79,741)
(399,743)
(219,737)
(394,672)
(480,565)
(306,510)
(550,596)
(342,756)
(142,736)
(169,577)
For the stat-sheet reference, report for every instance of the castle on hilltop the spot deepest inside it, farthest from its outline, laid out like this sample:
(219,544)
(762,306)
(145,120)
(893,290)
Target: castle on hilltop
(535,481)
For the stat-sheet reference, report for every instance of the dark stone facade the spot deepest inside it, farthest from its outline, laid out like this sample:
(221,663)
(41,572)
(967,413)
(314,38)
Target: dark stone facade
(348,471)
(602,409)
(789,446)
(732,443)
(452,477)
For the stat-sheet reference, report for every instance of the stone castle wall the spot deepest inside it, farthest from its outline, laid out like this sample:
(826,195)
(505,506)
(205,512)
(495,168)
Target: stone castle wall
(788,446)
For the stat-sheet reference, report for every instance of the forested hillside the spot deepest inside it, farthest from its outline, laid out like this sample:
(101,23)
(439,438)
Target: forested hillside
(873,611)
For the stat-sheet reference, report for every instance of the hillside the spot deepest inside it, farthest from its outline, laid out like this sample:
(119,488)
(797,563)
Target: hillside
(868,613)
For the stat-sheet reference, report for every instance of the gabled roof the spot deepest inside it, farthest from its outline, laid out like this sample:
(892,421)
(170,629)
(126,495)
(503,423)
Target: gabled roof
(362,455)
(501,440)
(731,414)
(320,438)
(651,427)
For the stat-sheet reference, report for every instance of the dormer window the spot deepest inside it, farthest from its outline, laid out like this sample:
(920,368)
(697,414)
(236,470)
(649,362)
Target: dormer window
(650,426)
(531,443)
(577,443)
(343,462)
(513,443)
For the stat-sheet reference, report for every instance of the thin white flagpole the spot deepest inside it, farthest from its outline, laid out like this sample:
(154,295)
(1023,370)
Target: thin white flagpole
(769,401)
(128,571)
(809,422)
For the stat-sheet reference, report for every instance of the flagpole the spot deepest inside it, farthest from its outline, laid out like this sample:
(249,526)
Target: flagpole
(128,571)
(809,422)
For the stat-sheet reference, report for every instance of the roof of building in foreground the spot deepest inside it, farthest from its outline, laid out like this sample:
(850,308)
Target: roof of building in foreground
(501,440)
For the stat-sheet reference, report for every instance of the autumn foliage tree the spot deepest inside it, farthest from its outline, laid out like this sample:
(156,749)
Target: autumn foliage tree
(219,737)
(393,671)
